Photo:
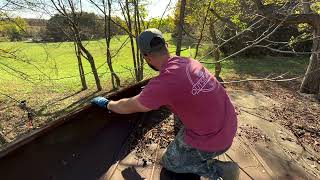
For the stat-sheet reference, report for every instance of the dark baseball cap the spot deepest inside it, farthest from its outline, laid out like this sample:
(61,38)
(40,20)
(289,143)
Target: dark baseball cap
(145,38)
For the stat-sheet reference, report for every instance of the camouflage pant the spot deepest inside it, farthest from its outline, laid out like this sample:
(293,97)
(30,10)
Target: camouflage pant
(182,158)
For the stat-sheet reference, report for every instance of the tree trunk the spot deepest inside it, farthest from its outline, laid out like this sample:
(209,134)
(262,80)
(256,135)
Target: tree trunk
(216,52)
(92,65)
(95,72)
(132,42)
(81,71)
(137,32)
(201,31)
(311,81)
(107,30)
(180,27)
(74,27)
(89,57)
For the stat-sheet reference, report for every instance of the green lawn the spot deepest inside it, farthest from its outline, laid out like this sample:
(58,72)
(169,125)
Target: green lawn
(52,67)
(262,66)
(56,61)
(50,63)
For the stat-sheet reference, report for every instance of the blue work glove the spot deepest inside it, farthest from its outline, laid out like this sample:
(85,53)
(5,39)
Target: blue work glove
(100,101)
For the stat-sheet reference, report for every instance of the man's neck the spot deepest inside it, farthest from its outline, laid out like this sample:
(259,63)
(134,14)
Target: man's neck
(164,59)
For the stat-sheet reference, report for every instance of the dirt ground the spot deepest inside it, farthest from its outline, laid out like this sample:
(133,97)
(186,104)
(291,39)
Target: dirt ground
(45,107)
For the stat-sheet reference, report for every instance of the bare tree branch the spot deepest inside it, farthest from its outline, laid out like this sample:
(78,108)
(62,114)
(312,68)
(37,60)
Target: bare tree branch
(114,22)
(266,34)
(180,26)
(202,29)
(281,51)
(223,19)
(230,39)
(274,79)
(165,10)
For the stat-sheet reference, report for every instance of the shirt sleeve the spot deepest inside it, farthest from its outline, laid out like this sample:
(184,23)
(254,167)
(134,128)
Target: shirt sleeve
(154,94)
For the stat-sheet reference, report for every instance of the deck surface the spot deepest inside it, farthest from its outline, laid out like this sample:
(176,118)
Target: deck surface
(132,168)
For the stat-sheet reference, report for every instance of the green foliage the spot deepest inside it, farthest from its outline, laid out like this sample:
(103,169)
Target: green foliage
(238,22)
(14,29)
(236,16)
(167,24)
(57,29)
(60,29)
(316,7)
(234,10)
(90,26)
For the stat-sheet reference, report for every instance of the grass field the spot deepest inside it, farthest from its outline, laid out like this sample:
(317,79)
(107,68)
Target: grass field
(54,86)
(50,64)
(54,65)
(57,61)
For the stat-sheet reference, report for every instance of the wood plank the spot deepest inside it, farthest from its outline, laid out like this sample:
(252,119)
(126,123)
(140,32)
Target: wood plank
(130,167)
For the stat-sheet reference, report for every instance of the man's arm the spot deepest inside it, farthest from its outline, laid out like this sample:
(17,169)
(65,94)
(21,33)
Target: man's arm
(127,106)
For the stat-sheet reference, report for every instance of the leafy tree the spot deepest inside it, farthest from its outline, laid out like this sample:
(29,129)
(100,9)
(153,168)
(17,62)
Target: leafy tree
(90,25)
(106,9)
(279,28)
(58,27)
(71,12)
(165,25)
(14,29)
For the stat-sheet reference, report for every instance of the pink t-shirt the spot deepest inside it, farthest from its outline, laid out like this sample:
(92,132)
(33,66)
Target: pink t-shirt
(191,92)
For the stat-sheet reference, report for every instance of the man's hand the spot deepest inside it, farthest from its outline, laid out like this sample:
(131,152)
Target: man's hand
(127,106)
(100,101)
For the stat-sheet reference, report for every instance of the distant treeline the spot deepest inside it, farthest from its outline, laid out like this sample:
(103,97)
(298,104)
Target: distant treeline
(56,28)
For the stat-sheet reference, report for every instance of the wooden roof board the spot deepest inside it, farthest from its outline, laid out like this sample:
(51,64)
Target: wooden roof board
(132,168)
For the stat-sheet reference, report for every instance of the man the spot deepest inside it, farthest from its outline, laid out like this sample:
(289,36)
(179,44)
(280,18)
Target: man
(197,98)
